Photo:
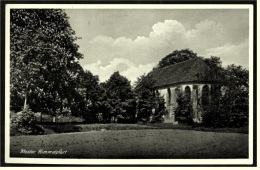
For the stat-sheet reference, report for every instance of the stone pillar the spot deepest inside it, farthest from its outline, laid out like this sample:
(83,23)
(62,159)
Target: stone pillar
(199,113)
(174,98)
(174,102)
(194,100)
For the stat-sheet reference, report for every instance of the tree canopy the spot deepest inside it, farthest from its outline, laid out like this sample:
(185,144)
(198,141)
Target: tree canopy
(150,105)
(91,93)
(176,57)
(120,99)
(44,58)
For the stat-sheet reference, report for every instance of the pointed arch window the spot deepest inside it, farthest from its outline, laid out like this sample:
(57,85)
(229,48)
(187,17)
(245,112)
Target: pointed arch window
(187,93)
(169,96)
(205,95)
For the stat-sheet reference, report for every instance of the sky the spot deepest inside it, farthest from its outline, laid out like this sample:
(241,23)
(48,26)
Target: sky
(133,41)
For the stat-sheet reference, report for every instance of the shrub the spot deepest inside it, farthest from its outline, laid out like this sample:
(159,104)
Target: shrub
(230,109)
(65,128)
(159,111)
(150,104)
(25,123)
(183,111)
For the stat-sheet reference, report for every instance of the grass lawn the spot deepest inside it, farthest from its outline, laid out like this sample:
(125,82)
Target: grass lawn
(65,128)
(152,142)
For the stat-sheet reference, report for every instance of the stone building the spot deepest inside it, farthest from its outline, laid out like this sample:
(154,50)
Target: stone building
(193,78)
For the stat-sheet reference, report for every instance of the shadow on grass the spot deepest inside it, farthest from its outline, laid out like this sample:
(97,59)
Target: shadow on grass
(243,130)
(50,128)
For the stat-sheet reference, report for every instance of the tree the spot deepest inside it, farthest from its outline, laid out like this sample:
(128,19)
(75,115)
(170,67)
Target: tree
(231,107)
(183,111)
(215,64)
(91,93)
(176,57)
(236,94)
(44,58)
(119,98)
(150,105)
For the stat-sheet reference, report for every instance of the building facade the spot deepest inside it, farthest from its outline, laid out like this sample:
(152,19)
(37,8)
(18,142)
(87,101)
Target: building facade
(192,78)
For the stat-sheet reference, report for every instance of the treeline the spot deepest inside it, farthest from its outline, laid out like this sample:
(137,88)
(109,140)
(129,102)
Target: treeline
(47,78)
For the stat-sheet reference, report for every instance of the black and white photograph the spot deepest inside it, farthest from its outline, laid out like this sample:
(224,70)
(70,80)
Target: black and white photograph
(161,84)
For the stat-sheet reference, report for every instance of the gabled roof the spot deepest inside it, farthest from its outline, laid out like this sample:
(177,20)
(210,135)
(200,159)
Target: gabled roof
(193,70)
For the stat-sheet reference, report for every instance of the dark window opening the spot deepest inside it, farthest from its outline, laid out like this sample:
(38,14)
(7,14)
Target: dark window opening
(205,95)
(169,97)
(187,93)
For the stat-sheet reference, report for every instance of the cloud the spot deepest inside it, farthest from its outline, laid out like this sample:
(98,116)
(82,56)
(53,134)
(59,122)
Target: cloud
(164,38)
(132,57)
(230,53)
(124,66)
(206,34)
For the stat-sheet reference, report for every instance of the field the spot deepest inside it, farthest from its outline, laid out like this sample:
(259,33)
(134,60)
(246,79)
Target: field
(142,143)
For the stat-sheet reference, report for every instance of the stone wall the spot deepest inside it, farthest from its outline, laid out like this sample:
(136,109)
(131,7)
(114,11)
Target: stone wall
(170,95)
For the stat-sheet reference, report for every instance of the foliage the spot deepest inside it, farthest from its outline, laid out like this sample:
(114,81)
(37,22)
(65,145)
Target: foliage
(176,57)
(150,105)
(44,60)
(215,64)
(235,96)
(64,128)
(118,99)
(213,114)
(25,122)
(230,108)
(159,109)
(90,94)
(65,119)
(183,112)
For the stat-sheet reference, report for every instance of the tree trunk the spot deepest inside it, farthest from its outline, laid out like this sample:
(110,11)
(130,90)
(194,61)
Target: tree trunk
(25,102)
(26,97)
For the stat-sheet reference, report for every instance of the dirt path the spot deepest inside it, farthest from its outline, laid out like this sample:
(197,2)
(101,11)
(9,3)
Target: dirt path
(133,144)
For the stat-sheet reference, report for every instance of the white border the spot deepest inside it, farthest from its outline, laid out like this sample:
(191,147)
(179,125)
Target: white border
(126,161)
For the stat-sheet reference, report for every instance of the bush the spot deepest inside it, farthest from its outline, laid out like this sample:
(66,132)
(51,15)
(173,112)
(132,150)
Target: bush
(213,117)
(25,123)
(228,110)
(64,128)
(183,111)
(150,104)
